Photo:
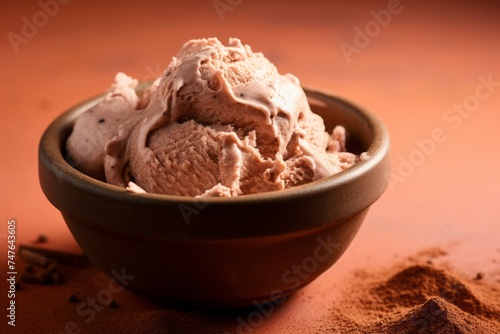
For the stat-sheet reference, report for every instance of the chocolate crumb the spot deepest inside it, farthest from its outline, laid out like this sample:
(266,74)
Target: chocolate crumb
(72,298)
(102,120)
(479,276)
(41,239)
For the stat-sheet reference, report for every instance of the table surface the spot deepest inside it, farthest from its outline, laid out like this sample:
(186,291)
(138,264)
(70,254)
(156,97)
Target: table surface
(426,69)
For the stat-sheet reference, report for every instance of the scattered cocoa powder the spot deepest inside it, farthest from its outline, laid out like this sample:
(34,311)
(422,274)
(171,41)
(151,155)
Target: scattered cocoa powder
(411,296)
(415,297)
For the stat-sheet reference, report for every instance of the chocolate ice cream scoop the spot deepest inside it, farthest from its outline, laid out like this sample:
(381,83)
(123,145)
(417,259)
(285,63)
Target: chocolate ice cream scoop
(99,124)
(221,121)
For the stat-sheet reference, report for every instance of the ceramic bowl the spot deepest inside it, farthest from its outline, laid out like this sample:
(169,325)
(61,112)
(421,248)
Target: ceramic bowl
(220,252)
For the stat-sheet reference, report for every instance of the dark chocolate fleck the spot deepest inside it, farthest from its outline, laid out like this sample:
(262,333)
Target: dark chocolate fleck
(479,276)
(102,120)
(41,239)
(72,298)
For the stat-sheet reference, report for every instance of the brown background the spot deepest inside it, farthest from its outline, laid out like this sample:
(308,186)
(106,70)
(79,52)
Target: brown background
(411,73)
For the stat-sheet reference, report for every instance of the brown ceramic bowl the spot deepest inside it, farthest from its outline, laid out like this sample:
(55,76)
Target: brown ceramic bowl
(220,252)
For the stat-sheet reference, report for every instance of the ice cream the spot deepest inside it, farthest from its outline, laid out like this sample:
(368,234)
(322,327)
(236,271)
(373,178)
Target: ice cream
(221,121)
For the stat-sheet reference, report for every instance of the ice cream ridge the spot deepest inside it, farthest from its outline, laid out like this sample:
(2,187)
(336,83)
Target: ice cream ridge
(220,121)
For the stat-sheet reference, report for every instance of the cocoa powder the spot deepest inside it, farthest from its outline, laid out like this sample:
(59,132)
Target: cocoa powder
(417,297)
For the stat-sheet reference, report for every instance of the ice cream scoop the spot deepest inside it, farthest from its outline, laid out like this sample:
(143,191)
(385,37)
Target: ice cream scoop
(221,121)
(99,124)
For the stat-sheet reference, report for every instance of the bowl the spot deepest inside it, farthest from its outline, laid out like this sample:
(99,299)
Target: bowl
(220,252)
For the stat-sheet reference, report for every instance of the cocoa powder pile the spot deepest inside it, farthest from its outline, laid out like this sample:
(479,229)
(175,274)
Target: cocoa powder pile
(417,297)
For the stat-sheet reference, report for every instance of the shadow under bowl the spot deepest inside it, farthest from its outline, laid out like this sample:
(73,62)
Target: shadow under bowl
(220,252)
